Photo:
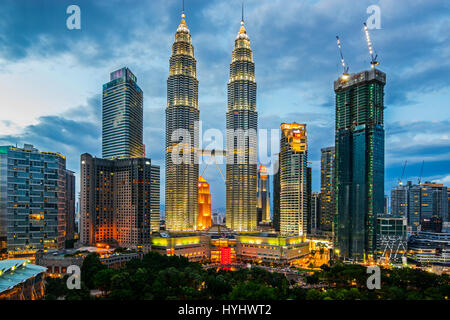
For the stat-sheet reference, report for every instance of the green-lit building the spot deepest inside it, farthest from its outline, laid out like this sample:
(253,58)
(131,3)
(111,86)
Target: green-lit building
(359,161)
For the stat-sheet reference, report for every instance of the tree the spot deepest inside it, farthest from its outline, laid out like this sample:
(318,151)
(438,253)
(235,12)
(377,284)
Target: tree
(91,266)
(252,291)
(313,294)
(102,279)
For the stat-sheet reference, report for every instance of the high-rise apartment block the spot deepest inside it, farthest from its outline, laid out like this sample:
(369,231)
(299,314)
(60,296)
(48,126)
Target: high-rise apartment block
(33,200)
(122,115)
(293,210)
(182,116)
(327,188)
(359,161)
(119,201)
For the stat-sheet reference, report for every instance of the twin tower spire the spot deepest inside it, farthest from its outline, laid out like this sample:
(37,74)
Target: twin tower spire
(182,140)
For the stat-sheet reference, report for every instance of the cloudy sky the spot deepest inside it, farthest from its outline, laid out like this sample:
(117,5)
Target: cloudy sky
(51,77)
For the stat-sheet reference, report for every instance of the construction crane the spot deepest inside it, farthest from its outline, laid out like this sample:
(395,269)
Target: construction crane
(421,172)
(403,172)
(373,61)
(345,74)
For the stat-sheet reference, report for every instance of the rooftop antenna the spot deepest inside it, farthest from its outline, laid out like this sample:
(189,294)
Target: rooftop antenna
(182,13)
(373,61)
(345,74)
(242,19)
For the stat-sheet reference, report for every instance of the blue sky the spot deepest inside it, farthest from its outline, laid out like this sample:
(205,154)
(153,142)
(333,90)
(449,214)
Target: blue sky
(51,77)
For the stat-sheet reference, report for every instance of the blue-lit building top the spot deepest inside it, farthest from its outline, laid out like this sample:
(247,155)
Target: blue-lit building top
(122,115)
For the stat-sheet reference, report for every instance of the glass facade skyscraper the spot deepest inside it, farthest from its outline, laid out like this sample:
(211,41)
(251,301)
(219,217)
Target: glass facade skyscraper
(32,200)
(242,123)
(182,116)
(122,116)
(359,162)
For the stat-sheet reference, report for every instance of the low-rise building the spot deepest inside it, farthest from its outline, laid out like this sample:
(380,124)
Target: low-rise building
(20,280)
(429,248)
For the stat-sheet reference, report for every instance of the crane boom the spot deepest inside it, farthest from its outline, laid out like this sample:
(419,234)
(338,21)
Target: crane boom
(373,61)
(345,74)
(403,172)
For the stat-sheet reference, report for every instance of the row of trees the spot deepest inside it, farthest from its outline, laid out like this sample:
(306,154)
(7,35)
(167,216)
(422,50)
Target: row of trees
(163,277)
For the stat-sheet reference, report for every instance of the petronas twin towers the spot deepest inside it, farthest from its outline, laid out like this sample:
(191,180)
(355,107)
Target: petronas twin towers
(182,147)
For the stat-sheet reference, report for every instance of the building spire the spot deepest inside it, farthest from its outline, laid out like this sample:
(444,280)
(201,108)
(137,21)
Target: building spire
(242,30)
(182,12)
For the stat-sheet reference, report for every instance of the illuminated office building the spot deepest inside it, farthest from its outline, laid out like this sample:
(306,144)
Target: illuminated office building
(327,189)
(263,195)
(182,115)
(293,175)
(426,201)
(122,116)
(119,201)
(204,205)
(359,161)
(400,199)
(242,123)
(33,200)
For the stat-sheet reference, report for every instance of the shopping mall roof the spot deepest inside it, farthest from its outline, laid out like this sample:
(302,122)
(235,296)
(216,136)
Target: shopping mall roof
(16,271)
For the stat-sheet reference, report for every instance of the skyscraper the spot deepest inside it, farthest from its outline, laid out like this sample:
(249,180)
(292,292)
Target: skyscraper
(293,180)
(182,115)
(308,198)
(70,205)
(359,161)
(204,205)
(315,211)
(122,116)
(276,195)
(33,205)
(242,123)
(263,192)
(119,201)
(327,188)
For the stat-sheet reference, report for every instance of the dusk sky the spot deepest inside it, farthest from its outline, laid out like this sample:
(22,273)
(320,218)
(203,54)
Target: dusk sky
(51,78)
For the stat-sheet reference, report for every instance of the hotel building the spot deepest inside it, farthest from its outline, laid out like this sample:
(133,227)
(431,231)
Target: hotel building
(293,212)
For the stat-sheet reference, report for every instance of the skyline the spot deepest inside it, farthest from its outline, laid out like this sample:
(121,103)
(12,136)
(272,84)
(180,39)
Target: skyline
(407,137)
